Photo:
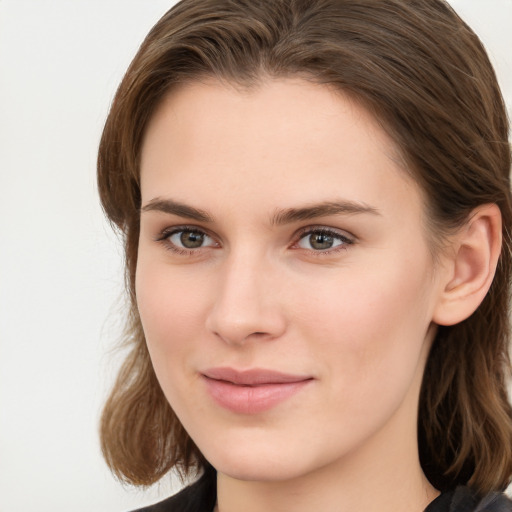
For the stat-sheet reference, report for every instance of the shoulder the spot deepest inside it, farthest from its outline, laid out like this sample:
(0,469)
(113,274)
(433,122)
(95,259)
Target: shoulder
(198,497)
(463,499)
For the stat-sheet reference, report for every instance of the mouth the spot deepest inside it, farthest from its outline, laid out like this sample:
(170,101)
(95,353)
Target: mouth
(252,391)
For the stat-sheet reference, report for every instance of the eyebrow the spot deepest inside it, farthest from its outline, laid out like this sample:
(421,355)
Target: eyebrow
(323,209)
(176,208)
(280,217)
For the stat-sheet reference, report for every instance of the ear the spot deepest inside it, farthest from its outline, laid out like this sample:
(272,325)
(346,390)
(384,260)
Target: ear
(470,268)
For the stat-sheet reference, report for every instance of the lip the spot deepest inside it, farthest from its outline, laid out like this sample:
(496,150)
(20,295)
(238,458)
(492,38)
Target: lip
(252,391)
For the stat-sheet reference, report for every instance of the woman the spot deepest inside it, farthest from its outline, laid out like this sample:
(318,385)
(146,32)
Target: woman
(315,204)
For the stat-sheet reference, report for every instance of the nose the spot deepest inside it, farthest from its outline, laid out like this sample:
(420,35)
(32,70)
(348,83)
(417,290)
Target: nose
(246,305)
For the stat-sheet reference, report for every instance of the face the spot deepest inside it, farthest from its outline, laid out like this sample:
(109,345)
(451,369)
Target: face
(284,280)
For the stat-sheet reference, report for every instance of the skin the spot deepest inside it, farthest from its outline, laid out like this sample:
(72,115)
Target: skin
(357,318)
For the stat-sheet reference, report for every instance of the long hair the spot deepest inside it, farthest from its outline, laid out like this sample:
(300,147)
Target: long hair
(426,77)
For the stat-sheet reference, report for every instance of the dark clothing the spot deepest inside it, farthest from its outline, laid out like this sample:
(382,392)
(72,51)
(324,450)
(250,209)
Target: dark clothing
(201,497)
(463,499)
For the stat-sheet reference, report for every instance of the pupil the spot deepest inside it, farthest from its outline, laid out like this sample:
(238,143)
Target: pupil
(321,241)
(191,239)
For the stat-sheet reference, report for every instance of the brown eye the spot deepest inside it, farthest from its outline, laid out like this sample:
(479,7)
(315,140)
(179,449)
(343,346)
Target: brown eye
(321,240)
(190,239)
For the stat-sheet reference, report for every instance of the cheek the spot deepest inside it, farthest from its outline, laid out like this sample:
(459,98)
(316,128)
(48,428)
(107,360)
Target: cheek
(171,306)
(172,311)
(371,324)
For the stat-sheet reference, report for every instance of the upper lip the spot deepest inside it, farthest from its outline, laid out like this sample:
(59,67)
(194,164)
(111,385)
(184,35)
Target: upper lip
(253,376)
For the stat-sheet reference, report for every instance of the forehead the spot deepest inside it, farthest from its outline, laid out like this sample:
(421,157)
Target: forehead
(291,109)
(287,140)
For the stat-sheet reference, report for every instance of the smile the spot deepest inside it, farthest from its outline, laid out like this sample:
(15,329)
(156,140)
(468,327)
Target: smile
(252,391)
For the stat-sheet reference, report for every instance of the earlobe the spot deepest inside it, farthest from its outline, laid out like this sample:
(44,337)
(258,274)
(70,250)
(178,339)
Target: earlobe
(471,268)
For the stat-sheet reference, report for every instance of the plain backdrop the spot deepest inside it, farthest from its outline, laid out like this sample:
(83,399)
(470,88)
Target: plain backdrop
(60,265)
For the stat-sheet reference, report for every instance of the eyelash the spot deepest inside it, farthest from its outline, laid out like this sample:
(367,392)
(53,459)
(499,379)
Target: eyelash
(320,230)
(166,234)
(303,233)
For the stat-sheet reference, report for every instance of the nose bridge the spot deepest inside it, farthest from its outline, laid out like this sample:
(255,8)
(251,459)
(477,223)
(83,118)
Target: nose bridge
(246,304)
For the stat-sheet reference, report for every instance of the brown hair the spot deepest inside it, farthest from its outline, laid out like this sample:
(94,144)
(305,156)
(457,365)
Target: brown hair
(427,78)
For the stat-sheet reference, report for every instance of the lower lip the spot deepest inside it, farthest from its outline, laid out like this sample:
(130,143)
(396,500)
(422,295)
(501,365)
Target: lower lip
(252,399)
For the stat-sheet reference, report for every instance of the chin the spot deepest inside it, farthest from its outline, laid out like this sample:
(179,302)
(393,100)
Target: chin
(261,471)
(254,464)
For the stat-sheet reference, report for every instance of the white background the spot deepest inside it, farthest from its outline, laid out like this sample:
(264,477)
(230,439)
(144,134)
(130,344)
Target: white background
(60,265)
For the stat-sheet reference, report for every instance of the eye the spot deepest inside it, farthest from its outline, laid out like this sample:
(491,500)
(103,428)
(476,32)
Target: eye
(322,240)
(187,239)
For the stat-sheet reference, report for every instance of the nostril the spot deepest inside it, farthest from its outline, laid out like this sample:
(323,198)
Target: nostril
(237,338)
